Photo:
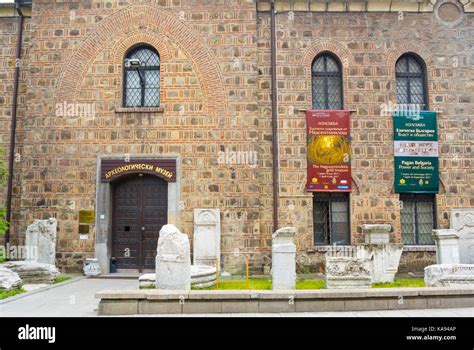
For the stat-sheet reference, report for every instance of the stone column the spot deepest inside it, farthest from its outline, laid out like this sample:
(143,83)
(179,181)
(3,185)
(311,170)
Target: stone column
(207,237)
(284,259)
(173,260)
(40,241)
(447,246)
(462,220)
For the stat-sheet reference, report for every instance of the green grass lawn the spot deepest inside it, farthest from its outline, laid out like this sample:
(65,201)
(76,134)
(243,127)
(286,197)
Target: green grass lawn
(60,279)
(401,283)
(266,284)
(11,292)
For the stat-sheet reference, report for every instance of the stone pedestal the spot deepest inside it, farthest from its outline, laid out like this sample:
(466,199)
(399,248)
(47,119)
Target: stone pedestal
(346,273)
(173,260)
(376,233)
(381,258)
(447,246)
(40,241)
(202,276)
(92,267)
(284,259)
(462,220)
(33,272)
(449,275)
(207,237)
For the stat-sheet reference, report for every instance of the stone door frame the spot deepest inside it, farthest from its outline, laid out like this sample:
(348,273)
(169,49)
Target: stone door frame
(104,209)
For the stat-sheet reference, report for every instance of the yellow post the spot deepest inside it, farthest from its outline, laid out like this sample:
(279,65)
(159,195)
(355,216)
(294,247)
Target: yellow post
(246,272)
(217,273)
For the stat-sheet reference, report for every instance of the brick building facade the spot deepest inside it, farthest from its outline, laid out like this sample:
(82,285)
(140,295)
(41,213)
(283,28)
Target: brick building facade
(215,103)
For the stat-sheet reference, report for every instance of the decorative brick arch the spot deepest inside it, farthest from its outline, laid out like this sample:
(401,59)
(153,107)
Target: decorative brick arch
(394,54)
(342,53)
(128,40)
(316,48)
(122,21)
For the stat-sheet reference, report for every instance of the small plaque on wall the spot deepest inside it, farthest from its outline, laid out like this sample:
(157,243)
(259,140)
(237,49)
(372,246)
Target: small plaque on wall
(84,229)
(86,216)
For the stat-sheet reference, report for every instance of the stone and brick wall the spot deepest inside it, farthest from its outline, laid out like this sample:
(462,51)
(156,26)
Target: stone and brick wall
(216,96)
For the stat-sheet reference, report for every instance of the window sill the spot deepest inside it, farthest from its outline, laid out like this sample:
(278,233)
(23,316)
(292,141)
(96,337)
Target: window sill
(325,248)
(419,248)
(406,248)
(139,109)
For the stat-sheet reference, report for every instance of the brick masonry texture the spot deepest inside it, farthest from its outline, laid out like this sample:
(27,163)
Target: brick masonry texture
(215,94)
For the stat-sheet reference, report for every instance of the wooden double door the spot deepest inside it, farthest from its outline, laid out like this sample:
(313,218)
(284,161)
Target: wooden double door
(140,209)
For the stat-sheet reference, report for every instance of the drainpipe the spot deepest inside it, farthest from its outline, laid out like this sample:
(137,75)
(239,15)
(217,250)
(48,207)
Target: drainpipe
(13,123)
(276,167)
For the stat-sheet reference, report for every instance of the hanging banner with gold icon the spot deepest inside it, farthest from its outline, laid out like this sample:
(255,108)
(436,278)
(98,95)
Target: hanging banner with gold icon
(415,136)
(329,151)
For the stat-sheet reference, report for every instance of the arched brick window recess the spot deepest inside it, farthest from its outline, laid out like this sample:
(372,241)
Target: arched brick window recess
(141,77)
(410,73)
(327,81)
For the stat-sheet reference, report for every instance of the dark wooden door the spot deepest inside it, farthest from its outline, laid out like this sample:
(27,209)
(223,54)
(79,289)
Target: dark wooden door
(140,206)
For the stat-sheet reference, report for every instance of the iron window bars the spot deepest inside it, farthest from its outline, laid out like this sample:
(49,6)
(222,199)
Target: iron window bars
(418,218)
(331,219)
(411,81)
(142,81)
(327,82)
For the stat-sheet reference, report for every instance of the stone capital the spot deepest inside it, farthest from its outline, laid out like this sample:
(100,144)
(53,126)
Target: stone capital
(376,228)
(444,234)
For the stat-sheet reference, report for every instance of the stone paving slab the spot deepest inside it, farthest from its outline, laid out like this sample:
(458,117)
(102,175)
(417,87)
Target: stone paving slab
(77,299)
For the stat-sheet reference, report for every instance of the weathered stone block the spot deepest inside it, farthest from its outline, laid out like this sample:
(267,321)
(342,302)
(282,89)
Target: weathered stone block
(207,237)
(449,275)
(447,246)
(9,279)
(346,272)
(33,272)
(173,260)
(284,259)
(40,241)
(462,220)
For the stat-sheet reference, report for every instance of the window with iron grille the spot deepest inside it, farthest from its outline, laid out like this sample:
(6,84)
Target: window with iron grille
(331,219)
(411,81)
(142,78)
(327,82)
(418,218)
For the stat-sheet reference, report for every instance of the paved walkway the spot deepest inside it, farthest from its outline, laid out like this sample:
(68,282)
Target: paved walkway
(76,299)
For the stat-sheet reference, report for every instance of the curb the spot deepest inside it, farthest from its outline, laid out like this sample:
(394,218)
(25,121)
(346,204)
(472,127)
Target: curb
(52,286)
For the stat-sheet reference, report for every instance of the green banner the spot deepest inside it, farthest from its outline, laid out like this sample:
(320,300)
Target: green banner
(415,138)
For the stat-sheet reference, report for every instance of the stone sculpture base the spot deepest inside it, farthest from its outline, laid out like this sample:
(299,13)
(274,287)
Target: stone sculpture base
(202,276)
(346,273)
(33,272)
(449,275)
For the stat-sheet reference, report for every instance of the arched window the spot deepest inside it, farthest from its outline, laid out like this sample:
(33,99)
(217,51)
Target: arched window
(142,78)
(411,81)
(327,82)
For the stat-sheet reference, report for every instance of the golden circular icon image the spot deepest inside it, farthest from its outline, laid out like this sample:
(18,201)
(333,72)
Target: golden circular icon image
(329,149)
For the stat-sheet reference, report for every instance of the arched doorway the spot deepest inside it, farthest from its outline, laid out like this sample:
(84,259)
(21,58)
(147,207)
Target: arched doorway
(140,209)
